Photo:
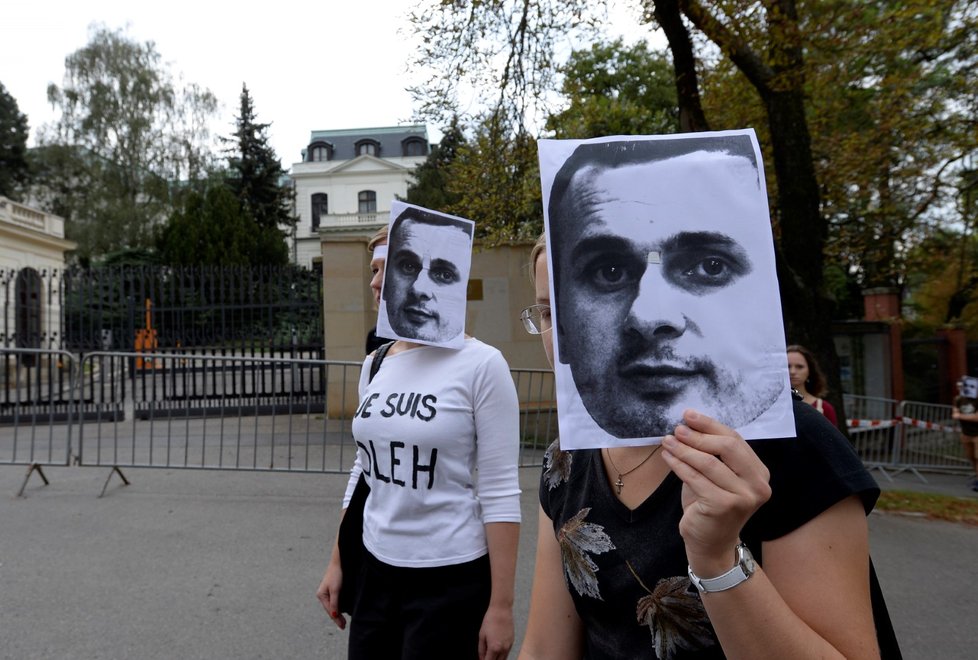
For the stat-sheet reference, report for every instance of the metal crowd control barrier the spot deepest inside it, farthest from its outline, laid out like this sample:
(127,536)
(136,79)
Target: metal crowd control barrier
(37,408)
(123,410)
(905,436)
(219,412)
(931,439)
(873,430)
(213,412)
(538,413)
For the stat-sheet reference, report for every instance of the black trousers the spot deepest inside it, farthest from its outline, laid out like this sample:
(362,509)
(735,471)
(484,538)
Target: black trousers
(419,613)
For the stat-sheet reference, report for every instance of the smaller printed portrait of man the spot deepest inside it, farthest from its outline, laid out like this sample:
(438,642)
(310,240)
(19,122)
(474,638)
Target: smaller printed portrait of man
(429,255)
(969,387)
(664,290)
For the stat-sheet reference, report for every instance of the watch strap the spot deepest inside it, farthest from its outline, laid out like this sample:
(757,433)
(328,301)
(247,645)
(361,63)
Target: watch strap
(741,571)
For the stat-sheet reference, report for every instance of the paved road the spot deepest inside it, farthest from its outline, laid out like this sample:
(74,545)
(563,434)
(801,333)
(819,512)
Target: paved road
(193,564)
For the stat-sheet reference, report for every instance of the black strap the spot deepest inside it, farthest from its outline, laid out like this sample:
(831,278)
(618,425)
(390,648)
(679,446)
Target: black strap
(379,355)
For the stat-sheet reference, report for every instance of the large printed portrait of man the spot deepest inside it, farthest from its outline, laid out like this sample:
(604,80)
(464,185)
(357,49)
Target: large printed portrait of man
(664,290)
(423,296)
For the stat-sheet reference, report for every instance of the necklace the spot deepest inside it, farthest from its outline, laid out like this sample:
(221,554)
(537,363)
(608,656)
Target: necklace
(619,484)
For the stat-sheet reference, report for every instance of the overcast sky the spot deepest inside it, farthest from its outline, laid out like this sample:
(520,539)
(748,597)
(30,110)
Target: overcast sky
(331,64)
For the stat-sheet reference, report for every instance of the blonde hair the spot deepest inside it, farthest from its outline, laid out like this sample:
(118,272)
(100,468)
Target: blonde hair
(380,236)
(540,247)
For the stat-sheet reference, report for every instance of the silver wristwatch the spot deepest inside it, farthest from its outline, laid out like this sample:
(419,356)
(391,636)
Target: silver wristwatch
(742,570)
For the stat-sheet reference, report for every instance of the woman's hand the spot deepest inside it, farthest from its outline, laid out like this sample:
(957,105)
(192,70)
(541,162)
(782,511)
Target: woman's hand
(329,591)
(724,483)
(496,635)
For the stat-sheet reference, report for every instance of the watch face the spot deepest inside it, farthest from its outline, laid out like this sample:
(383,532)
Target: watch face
(967,409)
(747,561)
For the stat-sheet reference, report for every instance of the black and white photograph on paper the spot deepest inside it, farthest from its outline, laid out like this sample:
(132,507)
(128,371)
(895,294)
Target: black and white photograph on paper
(663,287)
(969,387)
(429,255)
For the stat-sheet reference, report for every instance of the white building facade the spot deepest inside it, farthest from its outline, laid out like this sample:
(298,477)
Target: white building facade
(347,181)
(32,257)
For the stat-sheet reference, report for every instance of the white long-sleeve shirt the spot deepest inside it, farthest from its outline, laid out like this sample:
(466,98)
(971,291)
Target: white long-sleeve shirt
(437,433)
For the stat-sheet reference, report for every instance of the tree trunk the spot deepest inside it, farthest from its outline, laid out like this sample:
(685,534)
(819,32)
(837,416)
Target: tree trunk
(803,231)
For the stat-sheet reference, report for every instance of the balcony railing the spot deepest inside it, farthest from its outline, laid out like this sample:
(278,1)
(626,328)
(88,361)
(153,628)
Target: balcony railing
(354,219)
(25,216)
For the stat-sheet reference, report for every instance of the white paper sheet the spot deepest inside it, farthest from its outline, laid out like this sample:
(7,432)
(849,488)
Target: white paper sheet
(429,256)
(663,287)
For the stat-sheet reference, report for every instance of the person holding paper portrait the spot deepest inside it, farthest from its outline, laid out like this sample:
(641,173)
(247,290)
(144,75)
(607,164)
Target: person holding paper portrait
(965,412)
(424,286)
(706,545)
(655,284)
(437,436)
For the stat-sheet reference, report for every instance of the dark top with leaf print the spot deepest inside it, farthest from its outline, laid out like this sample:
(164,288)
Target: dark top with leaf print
(626,569)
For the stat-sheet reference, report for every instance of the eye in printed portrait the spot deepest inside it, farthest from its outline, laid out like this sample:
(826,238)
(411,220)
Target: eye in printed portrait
(423,297)
(663,285)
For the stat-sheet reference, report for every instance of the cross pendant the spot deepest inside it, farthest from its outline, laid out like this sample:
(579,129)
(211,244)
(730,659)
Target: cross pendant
(620,484)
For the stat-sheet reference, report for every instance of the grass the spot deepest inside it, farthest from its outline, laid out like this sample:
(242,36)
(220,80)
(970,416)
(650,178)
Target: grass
(940,507)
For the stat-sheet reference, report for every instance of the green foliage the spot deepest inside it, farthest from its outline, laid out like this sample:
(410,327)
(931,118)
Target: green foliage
(496,177)
(892,105)
(213,228)
(615,89)
(125,132)
(14,169)
(430,188)
(255,173)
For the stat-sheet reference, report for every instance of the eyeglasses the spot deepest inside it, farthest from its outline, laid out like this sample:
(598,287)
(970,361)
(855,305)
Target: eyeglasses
(536,319)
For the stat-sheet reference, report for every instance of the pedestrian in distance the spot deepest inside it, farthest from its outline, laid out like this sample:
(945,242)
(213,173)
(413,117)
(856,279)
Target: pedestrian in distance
(809,381)
(965,412)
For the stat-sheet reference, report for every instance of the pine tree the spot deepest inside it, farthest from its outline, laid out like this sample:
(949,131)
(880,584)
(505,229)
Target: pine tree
(256,176)
(14,171)
(431,178)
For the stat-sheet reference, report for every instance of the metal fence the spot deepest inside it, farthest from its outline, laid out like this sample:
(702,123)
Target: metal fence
(905,436)
(209,412)
(241,412)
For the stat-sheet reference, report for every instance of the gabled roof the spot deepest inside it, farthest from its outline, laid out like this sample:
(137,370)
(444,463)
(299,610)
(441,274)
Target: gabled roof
(390,139)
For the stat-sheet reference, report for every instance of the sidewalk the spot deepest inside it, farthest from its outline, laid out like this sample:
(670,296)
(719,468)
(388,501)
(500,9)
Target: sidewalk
(202,565)
(955,485)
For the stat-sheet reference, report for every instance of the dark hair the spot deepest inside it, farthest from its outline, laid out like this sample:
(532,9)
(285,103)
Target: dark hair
(611,155)
(815,384)
(426,217)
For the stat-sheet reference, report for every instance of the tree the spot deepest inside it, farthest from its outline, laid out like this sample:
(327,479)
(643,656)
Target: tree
(614,89)
(14,169)
(255,173)
(496,178)
(432,178)
(126,134)
(774,68)
(211,228)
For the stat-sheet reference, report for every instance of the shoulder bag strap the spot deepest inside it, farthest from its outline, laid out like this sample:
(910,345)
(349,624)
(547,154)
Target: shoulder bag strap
(379,355)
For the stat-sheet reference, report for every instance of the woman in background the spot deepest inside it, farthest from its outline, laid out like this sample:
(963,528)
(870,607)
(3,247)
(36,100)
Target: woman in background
(807,377)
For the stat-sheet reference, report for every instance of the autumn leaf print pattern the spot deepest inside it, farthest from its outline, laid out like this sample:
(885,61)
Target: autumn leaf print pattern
(675,617)
(578,540)
(556,465)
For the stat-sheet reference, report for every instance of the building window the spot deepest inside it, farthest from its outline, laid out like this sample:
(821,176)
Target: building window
(414,146)
(319,152)
(320,207)
(367,201)
(368,148)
